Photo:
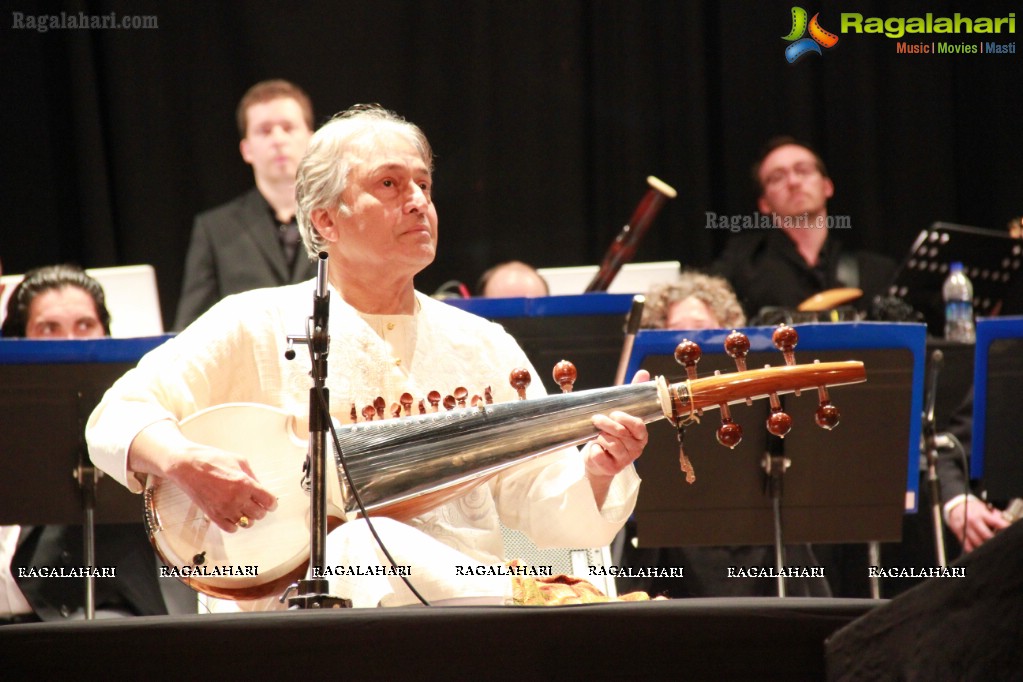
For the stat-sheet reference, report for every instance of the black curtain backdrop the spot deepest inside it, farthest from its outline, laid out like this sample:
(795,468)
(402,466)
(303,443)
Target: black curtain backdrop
(546,116)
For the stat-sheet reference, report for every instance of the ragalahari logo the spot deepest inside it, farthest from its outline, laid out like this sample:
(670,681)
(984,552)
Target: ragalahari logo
(801,46)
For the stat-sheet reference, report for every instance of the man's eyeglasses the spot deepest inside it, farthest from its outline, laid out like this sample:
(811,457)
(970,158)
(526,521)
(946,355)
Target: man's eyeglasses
(802,171)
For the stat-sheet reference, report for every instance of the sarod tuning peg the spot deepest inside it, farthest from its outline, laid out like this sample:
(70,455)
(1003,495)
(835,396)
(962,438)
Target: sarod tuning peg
(520,380)
(737,347)
(565,375)
(779,422)
(827,415)
(687,354)
(729,433)
(785,339)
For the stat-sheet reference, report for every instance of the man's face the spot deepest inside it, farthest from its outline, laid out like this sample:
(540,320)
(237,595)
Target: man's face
(276,137)
(792,184)
(392,227)
(65,313)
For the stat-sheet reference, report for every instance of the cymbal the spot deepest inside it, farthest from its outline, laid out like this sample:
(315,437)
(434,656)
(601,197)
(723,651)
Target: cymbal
(832,298)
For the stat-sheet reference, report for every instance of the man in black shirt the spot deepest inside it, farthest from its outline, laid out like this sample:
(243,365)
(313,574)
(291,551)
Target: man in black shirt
(799,257)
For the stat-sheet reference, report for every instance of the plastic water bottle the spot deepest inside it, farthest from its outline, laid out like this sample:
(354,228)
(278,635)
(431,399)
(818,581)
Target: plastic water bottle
(957,292)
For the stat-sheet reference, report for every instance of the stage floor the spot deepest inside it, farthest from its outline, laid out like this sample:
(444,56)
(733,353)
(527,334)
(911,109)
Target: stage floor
(693,639)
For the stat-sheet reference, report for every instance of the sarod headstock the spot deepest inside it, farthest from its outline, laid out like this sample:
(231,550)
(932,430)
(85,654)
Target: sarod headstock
(688,399)
(683,403)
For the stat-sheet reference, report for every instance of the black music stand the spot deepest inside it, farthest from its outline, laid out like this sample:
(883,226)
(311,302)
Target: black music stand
(848,485)
(586,329)
(991,259)
(51,388)
(998,373)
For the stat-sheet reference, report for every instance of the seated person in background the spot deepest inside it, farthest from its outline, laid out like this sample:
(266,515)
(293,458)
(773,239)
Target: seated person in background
(510,280)
(693,301)
(57,302)
(972,520)
(364,197)
(698,301)
(783,267)
(62,302)
(252,241)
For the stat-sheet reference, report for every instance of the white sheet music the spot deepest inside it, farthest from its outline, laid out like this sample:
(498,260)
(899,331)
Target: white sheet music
(633,278)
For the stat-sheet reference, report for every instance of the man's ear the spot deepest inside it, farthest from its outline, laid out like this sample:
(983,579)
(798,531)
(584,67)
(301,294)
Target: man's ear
(829,188)
(765,208)
(325,224)
(243,147)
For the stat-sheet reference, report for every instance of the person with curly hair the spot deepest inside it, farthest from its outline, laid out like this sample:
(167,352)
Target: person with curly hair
(693,301)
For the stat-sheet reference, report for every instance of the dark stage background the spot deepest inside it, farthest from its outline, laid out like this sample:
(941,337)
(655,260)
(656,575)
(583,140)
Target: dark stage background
(546,116)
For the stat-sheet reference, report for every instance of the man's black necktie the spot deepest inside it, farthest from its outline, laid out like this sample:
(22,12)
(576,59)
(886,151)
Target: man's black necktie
(290,239)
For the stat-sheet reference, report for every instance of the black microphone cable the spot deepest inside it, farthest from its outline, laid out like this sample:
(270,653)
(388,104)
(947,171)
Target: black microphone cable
(358,498)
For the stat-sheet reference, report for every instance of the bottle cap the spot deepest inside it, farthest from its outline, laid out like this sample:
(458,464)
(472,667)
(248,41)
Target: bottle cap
(957,265)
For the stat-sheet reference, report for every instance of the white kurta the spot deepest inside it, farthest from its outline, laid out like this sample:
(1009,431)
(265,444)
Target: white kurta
(235,353)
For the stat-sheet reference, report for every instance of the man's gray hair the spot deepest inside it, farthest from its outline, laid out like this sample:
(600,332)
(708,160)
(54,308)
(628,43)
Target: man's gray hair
(323,172)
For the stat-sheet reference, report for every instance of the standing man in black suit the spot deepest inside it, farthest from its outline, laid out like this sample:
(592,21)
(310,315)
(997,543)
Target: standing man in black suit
(252,241)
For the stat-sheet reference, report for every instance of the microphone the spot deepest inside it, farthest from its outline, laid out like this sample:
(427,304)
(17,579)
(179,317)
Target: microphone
(321,308)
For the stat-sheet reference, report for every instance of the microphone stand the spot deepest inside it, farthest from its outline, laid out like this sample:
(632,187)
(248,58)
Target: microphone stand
(775,464)
(87,477)
(312,592)
(631,327)
(931,453)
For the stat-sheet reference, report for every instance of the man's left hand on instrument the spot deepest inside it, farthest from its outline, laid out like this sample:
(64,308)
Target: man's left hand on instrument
(621,440)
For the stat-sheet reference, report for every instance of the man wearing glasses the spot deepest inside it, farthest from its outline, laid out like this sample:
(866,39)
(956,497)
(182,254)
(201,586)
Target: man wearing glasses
(799,255)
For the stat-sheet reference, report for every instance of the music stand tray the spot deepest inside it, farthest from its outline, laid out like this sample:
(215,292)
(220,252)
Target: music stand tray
(50,479)
(51,387)
(848,485)
(991,259)
(998,373)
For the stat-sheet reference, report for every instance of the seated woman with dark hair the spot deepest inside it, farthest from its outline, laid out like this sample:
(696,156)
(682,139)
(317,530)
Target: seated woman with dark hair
(63,302)
(57,302)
